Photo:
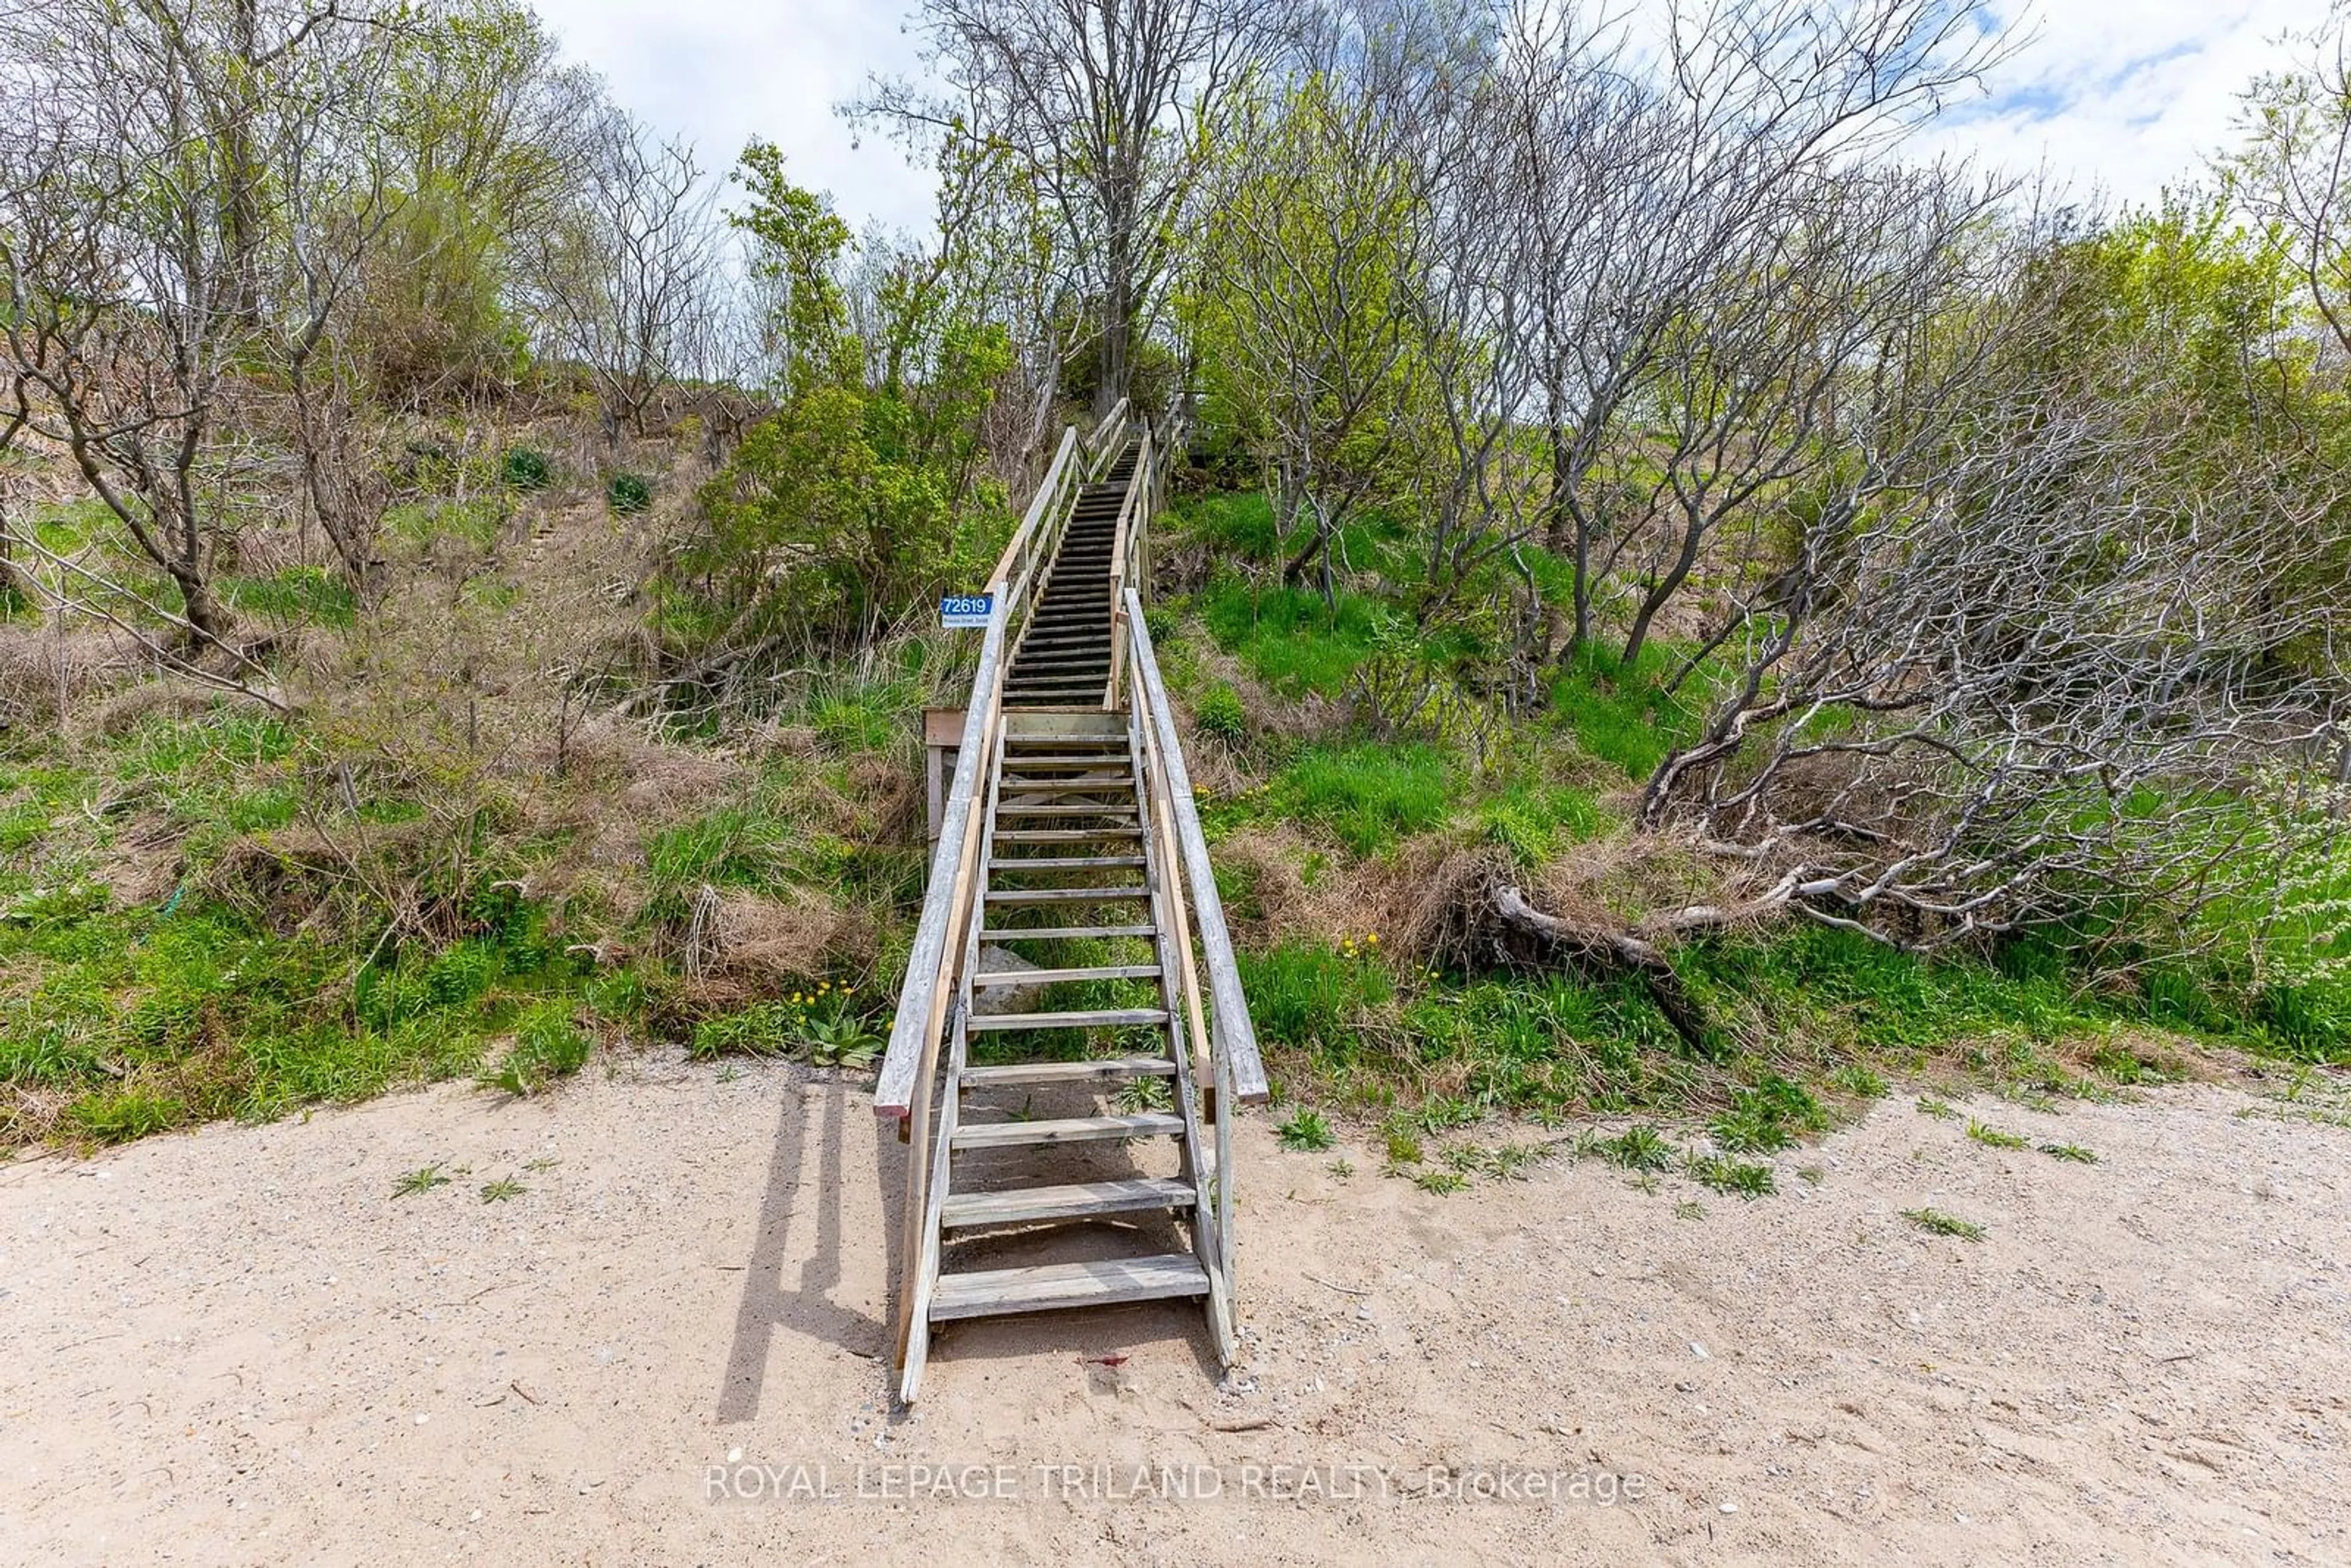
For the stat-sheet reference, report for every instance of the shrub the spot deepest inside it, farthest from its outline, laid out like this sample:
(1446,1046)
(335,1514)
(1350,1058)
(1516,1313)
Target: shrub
(628,493)
(524,469)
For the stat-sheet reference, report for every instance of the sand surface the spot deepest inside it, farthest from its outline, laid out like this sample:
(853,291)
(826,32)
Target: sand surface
(236,1346)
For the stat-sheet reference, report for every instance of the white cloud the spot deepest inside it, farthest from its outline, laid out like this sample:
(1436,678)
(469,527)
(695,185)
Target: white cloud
(723,72)
(2125,97)
(2121,96)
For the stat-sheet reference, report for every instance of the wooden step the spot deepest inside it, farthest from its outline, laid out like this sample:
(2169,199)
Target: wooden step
(1054,977)
(1091,1017)
(1064,862)
(1064,835)
(1030,760)
(1064,933)
(1093,1069)
(1050,1286)
(1071,784)
(1111,810)
(1076,1200)
(1069,1129)
(1066,895)
(1117,797)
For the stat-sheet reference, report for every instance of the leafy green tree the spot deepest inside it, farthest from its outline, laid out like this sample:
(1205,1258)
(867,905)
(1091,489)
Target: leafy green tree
(1302,305)
(843,513)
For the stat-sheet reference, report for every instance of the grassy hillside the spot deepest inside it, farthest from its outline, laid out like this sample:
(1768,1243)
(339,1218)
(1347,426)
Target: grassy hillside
(465,849)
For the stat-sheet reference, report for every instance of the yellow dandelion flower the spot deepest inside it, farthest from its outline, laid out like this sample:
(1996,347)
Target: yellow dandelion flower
(1371,938)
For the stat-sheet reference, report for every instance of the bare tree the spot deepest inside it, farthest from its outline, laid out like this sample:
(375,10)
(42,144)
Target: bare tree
(1647,186)
(157,160)
(2295,171)
(1101,102)
(2030,680)
(622,282)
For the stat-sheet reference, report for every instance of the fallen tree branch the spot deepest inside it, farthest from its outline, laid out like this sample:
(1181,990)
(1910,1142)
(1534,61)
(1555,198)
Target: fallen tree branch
(1526,936)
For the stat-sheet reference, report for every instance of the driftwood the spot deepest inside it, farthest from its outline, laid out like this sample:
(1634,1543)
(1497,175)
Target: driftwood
(1522,935)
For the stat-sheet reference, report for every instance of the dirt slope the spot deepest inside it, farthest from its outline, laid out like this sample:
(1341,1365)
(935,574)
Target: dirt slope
(238,1347)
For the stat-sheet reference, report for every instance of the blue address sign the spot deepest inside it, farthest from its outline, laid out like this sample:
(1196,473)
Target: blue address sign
(967,609)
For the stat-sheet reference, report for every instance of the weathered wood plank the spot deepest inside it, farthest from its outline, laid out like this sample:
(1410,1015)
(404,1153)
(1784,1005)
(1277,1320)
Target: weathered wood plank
(1053,1286)
(1094,1017)
(1056,976)
(1232,1024)
(1066,894)
(1073,1200)
(1059,933)
(1064,835)
(1095,1070)
(1072,1130)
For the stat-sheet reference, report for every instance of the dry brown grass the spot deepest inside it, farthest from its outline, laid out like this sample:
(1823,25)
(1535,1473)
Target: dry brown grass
(1340,899)
(39,669)
(799,934)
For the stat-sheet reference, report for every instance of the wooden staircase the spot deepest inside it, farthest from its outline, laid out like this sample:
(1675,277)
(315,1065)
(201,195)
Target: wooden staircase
(1056,1064)
(1064,655)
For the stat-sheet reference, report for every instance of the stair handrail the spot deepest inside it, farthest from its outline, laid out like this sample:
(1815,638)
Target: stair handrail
(1125,556)
(912,1058)
(1101,446)
(909,1073)
(1236,1071)
(1235,1038)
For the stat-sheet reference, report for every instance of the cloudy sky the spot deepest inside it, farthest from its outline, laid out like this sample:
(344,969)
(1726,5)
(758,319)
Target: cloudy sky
(2123,96)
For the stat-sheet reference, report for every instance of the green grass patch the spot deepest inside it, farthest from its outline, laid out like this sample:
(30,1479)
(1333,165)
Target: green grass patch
(162,1019)
(1369,796)
(1739,1178)
(1311,998)
(1235,525)
(1622,714)
(1288,638)
(300,593)
(547,1045)
(1306,1131)
(1993,1138)
(1934,1222)
(1639,1148)
(1536,823)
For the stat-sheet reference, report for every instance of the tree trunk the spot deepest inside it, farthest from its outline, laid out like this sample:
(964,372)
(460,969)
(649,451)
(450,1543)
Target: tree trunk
(204,613)
(1117,357)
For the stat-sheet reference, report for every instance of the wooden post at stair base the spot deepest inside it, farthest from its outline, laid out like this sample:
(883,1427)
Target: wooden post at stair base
(942,737)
